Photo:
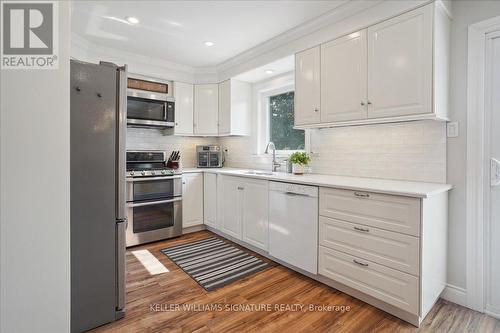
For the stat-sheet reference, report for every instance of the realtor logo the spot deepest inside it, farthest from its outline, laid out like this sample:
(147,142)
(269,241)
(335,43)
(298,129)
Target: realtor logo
(29,38)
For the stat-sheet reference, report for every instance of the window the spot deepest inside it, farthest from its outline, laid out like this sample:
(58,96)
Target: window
(281,119)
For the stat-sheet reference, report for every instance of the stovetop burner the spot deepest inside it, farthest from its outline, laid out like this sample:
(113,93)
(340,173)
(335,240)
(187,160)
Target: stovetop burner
(148,164)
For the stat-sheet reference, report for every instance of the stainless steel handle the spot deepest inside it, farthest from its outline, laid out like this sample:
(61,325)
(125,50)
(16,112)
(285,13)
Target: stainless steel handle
(121,138)
(362,103)
(369,103)
(153,178)
(359,263)
(361,195)
(361,229)
(121,263)
(293,194)
(240,188)
(151,203)
(316,110)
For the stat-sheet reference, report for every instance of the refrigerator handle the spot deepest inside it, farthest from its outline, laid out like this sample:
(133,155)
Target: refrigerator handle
(121,137)
(120,270)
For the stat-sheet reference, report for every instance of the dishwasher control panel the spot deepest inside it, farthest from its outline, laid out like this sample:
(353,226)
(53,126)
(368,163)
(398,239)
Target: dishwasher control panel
(306,190)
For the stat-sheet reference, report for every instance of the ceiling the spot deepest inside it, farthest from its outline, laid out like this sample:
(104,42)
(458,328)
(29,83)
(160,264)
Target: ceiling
(176,30)
(277,67)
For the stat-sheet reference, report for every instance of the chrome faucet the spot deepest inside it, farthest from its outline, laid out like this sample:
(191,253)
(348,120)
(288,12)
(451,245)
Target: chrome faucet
(274,164)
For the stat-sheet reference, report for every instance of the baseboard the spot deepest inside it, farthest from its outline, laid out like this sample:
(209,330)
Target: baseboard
(455,294)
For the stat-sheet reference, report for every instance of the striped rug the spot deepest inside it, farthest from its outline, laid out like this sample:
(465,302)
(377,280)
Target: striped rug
(214,263)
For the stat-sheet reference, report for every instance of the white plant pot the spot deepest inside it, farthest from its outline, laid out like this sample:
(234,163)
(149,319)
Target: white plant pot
(298,169)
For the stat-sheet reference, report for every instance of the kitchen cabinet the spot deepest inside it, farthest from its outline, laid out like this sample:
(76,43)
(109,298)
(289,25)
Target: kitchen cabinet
(192,199)
(400,65)
(255,213)
(206,109)
(396,70)
(343,78)
(307,87)
(210,199)
(235,102)
(230,205)
(243,209)
(184,108)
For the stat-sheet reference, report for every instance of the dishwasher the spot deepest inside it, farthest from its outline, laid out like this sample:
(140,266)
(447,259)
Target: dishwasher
(293,224)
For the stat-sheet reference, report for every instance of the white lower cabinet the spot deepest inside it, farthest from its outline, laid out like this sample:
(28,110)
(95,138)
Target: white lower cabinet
(210,199)
(243,209)
(192,199)
(255,213)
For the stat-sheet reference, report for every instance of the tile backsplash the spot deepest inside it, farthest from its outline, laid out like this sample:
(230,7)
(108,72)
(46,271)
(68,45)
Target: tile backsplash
(414,151)
(152,139)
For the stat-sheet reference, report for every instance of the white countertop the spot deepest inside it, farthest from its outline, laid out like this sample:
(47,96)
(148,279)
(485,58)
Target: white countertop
(395,187)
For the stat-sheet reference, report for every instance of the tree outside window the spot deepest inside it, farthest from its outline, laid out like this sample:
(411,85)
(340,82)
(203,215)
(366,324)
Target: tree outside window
(281,119)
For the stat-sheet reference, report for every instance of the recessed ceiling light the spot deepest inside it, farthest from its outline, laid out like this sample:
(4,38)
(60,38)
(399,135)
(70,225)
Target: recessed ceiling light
(208,43)
(132,20)
(269,71)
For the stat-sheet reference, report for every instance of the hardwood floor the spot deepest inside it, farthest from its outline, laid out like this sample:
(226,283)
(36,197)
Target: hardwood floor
(149,296)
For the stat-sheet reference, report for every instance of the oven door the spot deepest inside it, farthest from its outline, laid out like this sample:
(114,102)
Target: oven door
(153,188)
(153,220)
(150,109)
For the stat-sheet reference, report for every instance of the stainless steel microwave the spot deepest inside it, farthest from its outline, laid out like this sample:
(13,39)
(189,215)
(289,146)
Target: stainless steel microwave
(209,156)
(150,109)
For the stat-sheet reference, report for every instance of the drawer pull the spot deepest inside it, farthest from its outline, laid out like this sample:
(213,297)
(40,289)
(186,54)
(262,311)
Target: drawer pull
(361,195)
(359,263)
(240,188)
(361,229)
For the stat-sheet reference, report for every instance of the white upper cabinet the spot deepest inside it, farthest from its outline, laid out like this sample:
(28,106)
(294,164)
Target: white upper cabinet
(400,65)
(343,78)
(307,87)
(395,70)
(235,102)
(183,94)
(192,199)
(206,109)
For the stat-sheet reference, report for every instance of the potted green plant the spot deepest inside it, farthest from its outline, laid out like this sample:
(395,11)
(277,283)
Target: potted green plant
(299,161)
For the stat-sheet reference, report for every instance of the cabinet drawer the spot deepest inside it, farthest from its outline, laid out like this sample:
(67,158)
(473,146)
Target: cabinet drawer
(389,212)
(387,248)
(389,285)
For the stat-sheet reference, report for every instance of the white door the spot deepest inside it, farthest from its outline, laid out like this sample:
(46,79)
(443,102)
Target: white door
(343,78)
(492,230)
(307,87)
(255,213)
(206,109)
(210,199)
(400,65)
(192,199)
(225,107)
(183,94)
(231,193)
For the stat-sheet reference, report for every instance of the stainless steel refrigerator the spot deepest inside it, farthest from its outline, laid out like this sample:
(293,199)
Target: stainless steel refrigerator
(98,216)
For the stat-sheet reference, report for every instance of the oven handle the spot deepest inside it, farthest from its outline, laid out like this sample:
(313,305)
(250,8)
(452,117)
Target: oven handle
(153,178)
(154,202)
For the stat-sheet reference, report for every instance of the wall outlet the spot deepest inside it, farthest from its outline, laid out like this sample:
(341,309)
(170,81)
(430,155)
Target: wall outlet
(452,129)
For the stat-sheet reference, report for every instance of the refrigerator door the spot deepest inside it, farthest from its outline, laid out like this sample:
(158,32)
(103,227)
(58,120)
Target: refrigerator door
(93,136)
(121,156)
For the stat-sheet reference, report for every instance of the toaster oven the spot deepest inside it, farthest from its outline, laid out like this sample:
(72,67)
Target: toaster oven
(209,156)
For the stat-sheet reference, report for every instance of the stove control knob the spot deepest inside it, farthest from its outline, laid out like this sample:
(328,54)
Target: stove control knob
(131,173)
(153,173)
(143,173)
(164,172)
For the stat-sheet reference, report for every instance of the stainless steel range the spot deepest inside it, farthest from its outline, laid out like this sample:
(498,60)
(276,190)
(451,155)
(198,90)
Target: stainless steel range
(154,198)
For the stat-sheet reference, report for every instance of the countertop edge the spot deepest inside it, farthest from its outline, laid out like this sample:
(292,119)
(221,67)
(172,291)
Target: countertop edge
(440,188)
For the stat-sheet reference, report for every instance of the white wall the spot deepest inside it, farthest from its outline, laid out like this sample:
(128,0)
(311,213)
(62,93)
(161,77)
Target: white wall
(35,188)
(464,14)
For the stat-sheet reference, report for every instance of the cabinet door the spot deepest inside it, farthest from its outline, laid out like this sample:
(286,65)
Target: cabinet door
(255,216)
(206,109)
(400,65)
(192,199)
(225,107)
(210,199)
(231,192)
(307,87)
(343,78)
(183,94)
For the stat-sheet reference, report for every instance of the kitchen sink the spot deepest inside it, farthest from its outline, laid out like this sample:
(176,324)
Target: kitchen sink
(262,173)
